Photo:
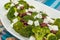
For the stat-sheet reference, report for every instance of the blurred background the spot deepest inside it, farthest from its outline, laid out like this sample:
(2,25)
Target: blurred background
(4,35)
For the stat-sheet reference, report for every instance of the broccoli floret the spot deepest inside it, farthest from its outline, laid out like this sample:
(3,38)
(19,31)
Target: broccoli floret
(22,30)
(51,36)
(40,32)
(17,26)
(58,34)
(26,32)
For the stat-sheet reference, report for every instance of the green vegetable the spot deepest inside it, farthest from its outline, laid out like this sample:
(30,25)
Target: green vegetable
(10,14)
(7,5)
(18,18)
(26,6)
(58,34)
(18,26)
(22,30)
(40,32)
(26,32)
(57,22)
(21,11)
(27,17)
(39,19)
(31,7)
(51,36)
(43,14)
(34,14)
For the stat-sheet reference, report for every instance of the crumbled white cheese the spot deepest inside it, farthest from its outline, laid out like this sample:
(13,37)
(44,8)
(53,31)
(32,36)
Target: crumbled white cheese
(16,14)
(19,6)
(48,20)
(28,13)
(26,10)
(32,38)
(36,23)
(12,4)
(15,20)
(53,27)
(30,9)
(30,22)
(39,15)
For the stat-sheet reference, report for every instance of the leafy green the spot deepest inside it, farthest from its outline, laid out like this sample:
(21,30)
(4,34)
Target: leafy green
(10,14)
(22,30)
(43,14)
(31,7)
(26,32)
(51,36)
(21,11)
(17,26)
(26,6)
(57,22)
(58,34)
(18,18)
(7,5)
(34,14)
(27,17)
(40,32)
(39,19)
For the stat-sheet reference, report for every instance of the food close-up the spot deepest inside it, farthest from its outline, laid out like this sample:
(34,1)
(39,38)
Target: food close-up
(29,23)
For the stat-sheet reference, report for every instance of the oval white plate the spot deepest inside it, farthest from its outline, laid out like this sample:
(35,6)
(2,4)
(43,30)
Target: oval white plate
(39,7)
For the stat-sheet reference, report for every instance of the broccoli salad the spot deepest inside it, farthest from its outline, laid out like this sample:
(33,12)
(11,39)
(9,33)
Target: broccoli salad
(31,24)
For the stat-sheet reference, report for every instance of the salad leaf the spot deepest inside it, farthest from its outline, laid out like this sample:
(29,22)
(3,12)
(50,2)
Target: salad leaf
(57,22)
(39,19)
(43,14)
(10,14)
(51,36)
(7,5)
(22,30)
(34,14)
(31,7)
(27,17)
(40,32)
(26,32)
(26,6)
(58,34)
(21,11)
(17,26)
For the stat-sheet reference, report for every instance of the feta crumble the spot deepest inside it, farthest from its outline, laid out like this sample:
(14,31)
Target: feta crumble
(19,6)
(28,13)
(30,22)
(15,20)
(16,14)
(53,27)
(39,15)
(48,20)
(36,23)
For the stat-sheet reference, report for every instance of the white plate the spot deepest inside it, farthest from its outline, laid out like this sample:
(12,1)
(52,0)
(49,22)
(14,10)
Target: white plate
(39,7)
